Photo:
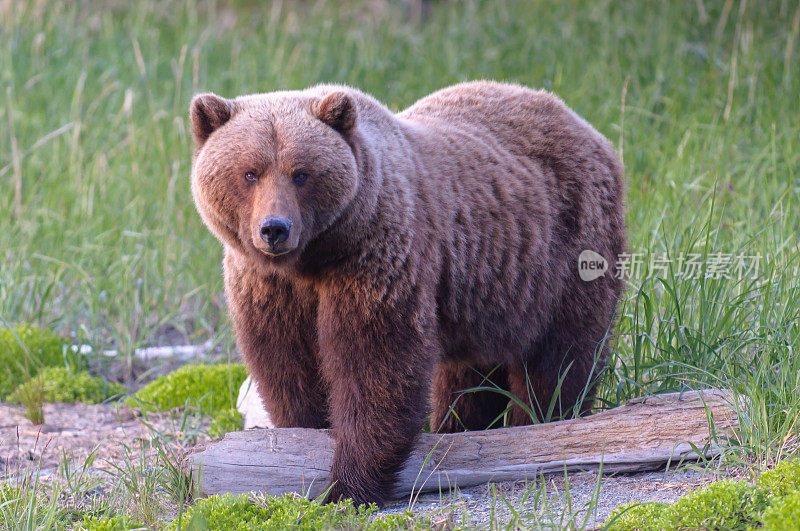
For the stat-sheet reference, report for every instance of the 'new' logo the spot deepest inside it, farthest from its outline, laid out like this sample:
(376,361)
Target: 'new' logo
(591,265)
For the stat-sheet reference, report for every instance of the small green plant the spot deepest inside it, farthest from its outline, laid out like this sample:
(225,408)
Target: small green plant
(638,516)
(119,522)
(25,350)
(60,384)
(211,387)
(32,398)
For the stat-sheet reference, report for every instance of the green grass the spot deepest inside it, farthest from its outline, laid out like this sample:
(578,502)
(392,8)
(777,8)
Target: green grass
(103,243)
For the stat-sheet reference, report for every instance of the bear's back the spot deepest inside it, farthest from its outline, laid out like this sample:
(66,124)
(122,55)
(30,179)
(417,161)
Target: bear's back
(534,123)
(522,186)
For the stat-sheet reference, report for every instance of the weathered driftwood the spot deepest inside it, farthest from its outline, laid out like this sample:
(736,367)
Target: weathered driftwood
(644,434)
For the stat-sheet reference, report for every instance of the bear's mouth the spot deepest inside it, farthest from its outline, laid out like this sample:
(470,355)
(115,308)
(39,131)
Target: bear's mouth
(274,253)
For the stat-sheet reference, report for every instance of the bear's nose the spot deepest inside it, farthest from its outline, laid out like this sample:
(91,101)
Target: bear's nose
(275,230)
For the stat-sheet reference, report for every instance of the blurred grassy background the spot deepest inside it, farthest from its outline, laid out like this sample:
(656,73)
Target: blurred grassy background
(99,237)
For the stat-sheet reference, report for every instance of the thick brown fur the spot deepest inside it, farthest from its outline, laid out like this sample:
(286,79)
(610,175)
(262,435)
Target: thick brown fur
(431,251)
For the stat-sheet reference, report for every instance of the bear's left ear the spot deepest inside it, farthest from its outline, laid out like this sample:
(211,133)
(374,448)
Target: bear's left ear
(338,110)
(208,113)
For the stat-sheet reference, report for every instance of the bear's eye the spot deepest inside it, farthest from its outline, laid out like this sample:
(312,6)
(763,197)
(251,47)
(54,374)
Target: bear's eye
(250,177)
(299,177)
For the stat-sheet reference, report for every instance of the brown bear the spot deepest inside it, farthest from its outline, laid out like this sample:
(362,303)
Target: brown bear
(377,262)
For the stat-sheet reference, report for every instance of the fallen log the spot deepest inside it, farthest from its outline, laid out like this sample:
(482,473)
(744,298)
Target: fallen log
(644,434)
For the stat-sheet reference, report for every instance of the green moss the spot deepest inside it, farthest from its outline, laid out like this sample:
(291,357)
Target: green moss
(25,350)
(639,517)
(118,522)
(774,502)
(781,480)
(289,511)
(60,384)
(783,513)
(224,512)
(211,387)
(726,504)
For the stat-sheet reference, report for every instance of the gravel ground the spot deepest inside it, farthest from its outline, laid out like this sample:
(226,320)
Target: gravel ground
(114,431)
(475,506)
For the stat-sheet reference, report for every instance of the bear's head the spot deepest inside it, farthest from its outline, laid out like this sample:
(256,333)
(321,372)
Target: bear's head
(273,171)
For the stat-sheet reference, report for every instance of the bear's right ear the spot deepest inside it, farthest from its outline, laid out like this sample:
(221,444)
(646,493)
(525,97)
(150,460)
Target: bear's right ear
(208,112)
(338,110)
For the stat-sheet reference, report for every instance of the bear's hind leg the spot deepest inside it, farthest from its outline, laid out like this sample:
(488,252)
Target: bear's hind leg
(560,373)
(454,410)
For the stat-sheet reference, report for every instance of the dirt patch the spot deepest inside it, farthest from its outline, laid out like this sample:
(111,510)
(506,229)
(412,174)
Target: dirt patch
(112,432)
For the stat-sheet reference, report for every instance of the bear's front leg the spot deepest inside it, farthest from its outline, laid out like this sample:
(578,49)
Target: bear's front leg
(377,359)
(275,323)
